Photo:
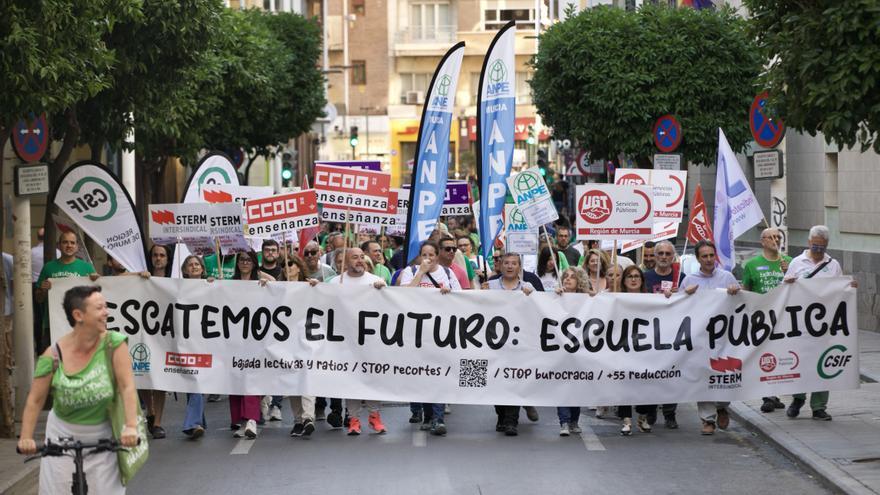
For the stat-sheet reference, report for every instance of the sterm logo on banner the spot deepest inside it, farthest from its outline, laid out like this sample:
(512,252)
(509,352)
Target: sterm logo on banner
(99,200)
(729,373)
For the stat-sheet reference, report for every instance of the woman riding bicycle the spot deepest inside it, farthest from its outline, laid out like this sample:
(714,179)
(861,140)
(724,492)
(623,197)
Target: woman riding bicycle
(75,369)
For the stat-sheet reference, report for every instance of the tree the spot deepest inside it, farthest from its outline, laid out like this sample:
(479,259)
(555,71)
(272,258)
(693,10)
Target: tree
(604,76)
(825,66)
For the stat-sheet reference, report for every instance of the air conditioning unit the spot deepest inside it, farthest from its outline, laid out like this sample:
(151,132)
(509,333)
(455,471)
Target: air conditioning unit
(415,97)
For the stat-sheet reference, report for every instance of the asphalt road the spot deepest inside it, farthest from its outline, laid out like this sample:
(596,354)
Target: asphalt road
(471,459)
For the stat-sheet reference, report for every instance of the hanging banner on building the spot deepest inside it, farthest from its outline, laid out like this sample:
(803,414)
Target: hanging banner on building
(480,347)
(431,162)
(533,197)
(94,198)
(352,187)
(670,187)
(609,211)
(281,213)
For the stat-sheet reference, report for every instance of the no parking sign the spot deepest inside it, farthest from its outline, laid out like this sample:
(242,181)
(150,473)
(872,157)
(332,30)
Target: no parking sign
(30,138)
(768,132)
(667,133)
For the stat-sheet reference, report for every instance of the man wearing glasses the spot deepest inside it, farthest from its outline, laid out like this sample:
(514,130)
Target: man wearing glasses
(447,258)
(762,274)
(316,269)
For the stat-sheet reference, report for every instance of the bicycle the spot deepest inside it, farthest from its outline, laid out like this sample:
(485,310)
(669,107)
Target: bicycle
(79,486)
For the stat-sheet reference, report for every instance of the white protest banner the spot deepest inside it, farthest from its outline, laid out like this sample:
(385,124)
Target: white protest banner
(180,220)
(90,195)
(480,347)
(520,237)
(352,187)
(669,188)
(532,197)
(281,213)
(661,230)
(608,211)
(389,218)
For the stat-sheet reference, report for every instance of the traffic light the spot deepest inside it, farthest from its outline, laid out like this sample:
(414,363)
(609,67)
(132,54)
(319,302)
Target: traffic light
(542,161)
(531,139)
(353,136)
(287,166)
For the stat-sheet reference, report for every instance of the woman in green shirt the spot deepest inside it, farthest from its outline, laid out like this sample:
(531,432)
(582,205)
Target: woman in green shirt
(76,371)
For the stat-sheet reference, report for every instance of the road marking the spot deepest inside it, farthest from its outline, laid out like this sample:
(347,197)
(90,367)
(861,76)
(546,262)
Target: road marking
(242,447)
(420,438)
(591,441)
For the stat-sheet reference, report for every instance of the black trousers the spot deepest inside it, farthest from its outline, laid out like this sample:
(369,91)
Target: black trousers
(507,415)
(335,404)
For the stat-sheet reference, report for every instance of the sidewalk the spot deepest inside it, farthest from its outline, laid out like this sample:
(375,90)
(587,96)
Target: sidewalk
(845,452)
(16,477)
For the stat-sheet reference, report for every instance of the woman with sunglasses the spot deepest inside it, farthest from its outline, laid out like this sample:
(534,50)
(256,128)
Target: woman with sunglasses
(634,283)
(573,280)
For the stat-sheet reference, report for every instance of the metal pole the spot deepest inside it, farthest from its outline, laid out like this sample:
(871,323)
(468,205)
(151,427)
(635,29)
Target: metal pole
(128,179)
(23,317)
(345,63)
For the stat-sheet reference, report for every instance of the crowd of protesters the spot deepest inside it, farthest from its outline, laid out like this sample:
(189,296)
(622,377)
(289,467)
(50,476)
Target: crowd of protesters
(450,260)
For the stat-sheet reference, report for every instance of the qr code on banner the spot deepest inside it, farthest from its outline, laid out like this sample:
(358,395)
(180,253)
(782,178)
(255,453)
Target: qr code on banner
(472,373)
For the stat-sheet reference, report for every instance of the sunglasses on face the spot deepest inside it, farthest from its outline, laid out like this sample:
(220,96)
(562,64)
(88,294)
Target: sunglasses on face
(291,263)
(313,252)
(449,249)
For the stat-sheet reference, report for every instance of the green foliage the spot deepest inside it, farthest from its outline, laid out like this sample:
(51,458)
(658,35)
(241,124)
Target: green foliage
(826,66)
(605,75)
(52,52)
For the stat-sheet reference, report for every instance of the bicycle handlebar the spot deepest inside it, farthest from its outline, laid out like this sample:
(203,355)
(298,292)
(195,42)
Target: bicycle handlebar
(58,449)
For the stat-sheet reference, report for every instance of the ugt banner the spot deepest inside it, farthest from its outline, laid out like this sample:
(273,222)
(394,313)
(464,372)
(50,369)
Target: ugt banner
(92,196)
(431,163)
(495,139)
(480,347)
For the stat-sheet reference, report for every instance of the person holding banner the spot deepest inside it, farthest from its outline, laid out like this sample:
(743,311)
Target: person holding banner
(574,280)
(154,400)
(596,266)
(271,252)
(244,410)
(634,283)
(762,274)
(511,267)
(814,262)
(446,258)
(194,422)
(710,276)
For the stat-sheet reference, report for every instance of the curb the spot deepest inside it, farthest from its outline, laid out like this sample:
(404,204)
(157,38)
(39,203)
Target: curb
(25,481)
(824,469)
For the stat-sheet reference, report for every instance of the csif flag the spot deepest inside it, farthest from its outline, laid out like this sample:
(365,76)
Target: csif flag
(698,222)
(431,163)
(736,207)
(93,197)
(495,133)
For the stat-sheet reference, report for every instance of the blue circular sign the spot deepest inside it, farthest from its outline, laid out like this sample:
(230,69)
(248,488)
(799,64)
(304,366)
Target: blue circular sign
(768,132)
(30,138)
(667,133)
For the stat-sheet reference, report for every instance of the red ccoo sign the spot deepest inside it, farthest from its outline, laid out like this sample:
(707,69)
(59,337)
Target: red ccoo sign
(345,187)
(281,213)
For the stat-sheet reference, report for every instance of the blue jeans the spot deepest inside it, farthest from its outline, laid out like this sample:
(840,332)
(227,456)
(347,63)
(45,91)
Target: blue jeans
(430,412)
(195,412)
(568,415)
(276,401)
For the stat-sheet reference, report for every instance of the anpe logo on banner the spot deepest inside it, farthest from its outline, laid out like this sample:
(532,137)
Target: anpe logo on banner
(497,79)
(140,359)
(833,361)
(528,186)
(188,360)
(595,207)
(729,373)
(98,199)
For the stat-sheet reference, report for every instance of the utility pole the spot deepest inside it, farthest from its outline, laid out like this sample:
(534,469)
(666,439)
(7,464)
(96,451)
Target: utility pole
(23,316)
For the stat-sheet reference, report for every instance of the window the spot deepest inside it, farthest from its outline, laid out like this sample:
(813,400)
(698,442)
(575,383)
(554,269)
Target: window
(523,90)
(497,18)
(413,81)
(430,20)
(358,7)
(358,72)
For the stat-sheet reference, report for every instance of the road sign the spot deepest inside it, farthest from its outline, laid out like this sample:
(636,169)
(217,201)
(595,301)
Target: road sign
(768,132)
(30,138)
(667,161)
(768,164)
(31,180)
(667,133)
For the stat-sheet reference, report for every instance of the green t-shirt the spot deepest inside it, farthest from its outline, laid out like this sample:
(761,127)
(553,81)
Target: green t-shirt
(762,275)
(382,272)
(83,397)
(228,267)
(57,269)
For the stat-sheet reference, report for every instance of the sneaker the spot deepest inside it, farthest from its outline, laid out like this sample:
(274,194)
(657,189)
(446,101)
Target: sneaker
(237,431)
(563,430)
(510,431)
(416,417)
(157,432)
(447,409)
(320,415)
(671,423)
(601,412)
(438,428)
(795,408)
(643,424)
(626,429)
(821,415)
(723,418)
(532,413)
(213,398)
(778,404)
(199,432)
(354,426)
(308,427)
(767,406)
(297,430)
(375,421)
(274,413)
(708,428)
(250,430)
(574,428)
(426,424)
(334,419)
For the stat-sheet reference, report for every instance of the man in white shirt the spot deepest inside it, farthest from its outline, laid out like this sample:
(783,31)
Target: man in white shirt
(356,274)
(710,277)
(813,263)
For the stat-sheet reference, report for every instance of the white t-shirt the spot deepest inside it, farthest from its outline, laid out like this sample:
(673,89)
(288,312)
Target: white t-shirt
(439,275)
(366,279)
(804,265)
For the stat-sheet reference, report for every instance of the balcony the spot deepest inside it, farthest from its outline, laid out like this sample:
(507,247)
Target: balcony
(424,40)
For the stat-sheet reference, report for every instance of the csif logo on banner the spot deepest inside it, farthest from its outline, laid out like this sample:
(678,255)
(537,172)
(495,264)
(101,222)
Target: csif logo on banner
(498,84)
(833,361)
(95,199)
(213,176)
